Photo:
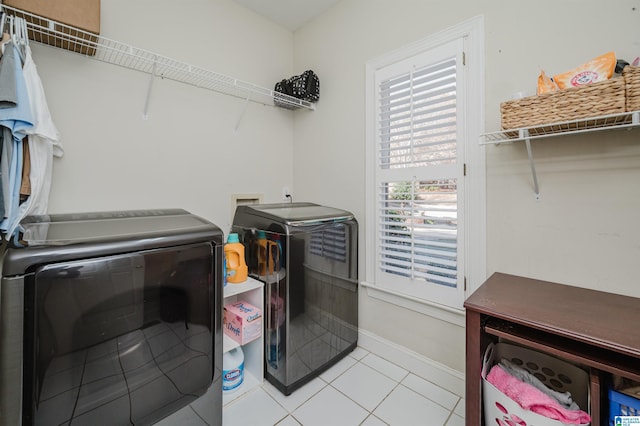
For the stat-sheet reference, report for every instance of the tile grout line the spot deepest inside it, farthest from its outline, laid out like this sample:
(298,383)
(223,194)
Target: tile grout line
(370,412)
(398,383)
(328,384)
(451,410)
(450,415)
(199,416)
(288,413)
(380,403)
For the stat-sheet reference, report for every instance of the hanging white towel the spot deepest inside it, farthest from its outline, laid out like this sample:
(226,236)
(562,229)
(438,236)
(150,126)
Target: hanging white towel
(43,122)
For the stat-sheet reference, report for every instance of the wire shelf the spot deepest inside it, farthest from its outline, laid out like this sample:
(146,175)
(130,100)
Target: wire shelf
(606,122)
(52,33)
(625,120)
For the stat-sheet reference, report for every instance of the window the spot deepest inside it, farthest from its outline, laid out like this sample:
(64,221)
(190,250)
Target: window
(423,123)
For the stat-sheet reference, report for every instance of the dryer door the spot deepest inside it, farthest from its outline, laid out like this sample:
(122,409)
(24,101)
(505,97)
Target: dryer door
(126,337)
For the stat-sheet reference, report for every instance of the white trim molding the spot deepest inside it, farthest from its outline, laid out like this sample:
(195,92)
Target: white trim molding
(474,263)
(441,312)
(432,371)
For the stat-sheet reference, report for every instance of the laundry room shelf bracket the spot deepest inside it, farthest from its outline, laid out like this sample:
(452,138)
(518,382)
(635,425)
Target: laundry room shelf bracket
(97,47)
(625,120)
(145,113)
(244,109)
(524,133)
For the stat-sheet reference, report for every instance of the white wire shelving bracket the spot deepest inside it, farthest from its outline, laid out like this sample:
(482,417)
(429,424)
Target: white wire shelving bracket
(626,120)
(55,34)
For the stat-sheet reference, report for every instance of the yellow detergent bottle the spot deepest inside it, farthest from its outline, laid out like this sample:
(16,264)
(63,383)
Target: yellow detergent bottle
(237,270)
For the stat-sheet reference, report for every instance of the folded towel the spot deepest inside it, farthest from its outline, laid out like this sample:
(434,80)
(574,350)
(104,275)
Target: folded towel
(533,399)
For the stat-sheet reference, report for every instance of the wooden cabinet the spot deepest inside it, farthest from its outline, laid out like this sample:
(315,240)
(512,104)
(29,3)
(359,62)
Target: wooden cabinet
(594,329)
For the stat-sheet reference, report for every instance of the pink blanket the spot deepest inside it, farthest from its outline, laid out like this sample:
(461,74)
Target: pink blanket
(530,398)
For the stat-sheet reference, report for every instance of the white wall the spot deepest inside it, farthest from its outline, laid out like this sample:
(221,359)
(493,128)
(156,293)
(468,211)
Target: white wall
(583,231)
(186,155)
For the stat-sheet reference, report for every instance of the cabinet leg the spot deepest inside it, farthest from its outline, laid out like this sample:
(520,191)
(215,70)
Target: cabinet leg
(473,397)
(595,382)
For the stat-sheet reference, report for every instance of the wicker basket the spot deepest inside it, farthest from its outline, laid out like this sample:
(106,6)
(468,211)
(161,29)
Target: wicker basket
(632,87)
(593,100)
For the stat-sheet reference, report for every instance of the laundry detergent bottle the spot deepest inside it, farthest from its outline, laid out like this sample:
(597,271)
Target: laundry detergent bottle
(237,270)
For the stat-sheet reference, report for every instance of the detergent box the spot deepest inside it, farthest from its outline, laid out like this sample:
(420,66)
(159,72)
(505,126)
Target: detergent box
(242,322)
(624,407)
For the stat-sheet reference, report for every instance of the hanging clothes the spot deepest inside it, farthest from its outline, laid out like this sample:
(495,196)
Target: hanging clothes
(25,184)
(8,99)
(44,144)
(5,159)
(18,120)
(8,95)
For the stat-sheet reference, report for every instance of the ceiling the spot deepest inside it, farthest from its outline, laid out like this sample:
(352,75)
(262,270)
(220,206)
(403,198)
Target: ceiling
(291,14)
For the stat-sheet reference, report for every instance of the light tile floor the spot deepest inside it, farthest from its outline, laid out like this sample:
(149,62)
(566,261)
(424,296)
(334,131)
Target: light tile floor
(362,389)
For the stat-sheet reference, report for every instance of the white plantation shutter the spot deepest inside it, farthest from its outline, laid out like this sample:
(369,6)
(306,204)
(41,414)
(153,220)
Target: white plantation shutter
(418,117)
(419,175)
(418,233)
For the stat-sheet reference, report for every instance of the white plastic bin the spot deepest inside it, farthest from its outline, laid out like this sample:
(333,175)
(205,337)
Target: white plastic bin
(559,375)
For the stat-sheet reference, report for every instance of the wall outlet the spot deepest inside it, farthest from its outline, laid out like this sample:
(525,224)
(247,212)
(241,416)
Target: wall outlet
(285,193)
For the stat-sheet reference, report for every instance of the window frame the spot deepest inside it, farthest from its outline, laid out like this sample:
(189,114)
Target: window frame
(472,214)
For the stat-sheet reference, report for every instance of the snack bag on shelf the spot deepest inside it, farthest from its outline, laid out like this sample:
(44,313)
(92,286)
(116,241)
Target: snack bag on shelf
(545,84)
(598,69)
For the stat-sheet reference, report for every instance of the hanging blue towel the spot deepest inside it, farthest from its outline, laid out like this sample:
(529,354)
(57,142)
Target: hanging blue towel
(17,119)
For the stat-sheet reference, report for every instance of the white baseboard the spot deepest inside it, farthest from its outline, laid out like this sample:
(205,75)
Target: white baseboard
(430,370)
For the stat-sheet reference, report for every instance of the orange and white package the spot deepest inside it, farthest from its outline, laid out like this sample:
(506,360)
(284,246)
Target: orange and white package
(545,84)
(598,69)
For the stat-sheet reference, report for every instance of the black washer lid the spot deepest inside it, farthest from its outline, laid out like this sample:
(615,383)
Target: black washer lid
(73,228)
(300,213)
(64,237)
